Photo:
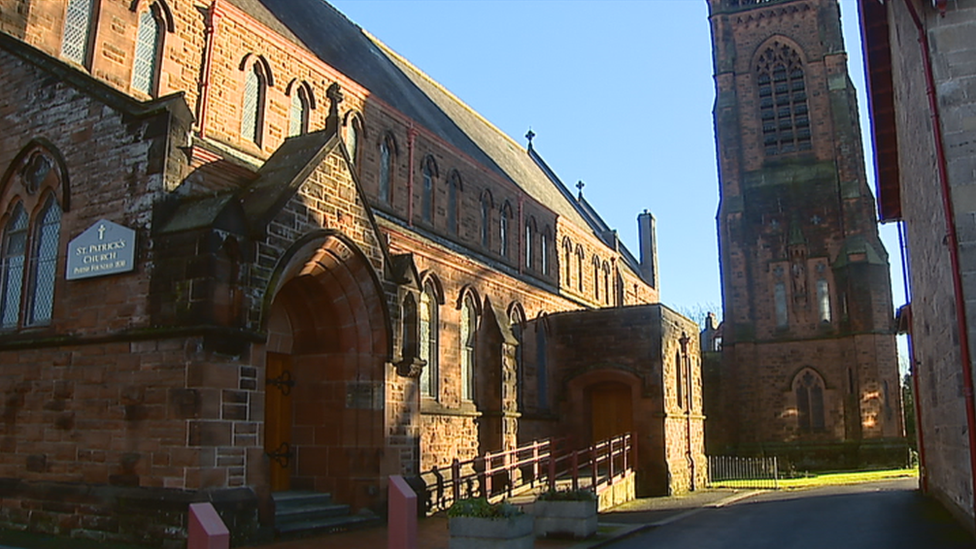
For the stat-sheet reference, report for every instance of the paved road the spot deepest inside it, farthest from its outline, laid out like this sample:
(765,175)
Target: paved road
(888,515)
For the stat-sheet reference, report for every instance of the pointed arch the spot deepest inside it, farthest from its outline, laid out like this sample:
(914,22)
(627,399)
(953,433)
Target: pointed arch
(430,336)
(505,229)
(487,204)
(781,86)
(27,163)
(387,161)
(355,134)
(454,189)
(431,279)
(257,79)
(429,172)
(808,388)
(530,236)
(150,42)
(545,242)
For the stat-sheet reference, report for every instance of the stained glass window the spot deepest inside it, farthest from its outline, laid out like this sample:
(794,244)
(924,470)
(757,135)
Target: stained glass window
(823,298)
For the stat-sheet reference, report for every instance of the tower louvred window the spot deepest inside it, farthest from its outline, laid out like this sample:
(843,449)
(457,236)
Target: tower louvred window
(782,100)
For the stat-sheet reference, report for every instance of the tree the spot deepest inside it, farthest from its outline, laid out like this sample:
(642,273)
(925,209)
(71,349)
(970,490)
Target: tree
(699,312)
(908,407)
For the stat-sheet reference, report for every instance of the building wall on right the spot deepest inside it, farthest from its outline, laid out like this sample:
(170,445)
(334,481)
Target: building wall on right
(917,160)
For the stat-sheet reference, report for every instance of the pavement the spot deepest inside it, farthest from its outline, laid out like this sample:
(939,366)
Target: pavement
(618,523)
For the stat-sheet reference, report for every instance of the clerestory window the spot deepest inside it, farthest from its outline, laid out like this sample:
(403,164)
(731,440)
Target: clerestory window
(76,39)
(149,47)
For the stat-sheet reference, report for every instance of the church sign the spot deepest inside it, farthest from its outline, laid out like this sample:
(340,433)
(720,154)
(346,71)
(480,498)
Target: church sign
(105,248)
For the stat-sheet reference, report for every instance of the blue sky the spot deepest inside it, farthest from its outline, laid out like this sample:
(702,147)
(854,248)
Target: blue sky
(619,94)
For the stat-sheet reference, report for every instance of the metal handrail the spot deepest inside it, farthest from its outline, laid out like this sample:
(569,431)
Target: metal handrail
(496,475)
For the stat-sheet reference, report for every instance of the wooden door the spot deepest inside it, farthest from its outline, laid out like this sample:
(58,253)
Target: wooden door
(611,412)
(278,419)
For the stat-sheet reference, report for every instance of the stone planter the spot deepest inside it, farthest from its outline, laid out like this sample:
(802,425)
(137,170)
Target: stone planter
(565,518)
(484,533)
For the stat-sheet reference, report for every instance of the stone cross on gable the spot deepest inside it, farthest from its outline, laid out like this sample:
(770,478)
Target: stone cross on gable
(580,185)
(334,93)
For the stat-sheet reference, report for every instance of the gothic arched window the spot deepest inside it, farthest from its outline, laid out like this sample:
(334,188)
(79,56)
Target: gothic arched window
(596,278)
(387,154)
(544,250)
(486,219)
(823,300)
(298,112)
(13,257)
(43,264)
(429,335)
(354,135)
(779,301)
(453,202)
(782,100)
(469,323)
(427,192)
(252,104)
(504,233)
(149,46)
(809,389)
(76,40)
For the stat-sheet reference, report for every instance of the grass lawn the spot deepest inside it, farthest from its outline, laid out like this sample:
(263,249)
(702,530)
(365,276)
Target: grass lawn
(813,480)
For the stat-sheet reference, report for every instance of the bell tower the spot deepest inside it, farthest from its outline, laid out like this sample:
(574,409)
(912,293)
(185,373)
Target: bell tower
(809,355)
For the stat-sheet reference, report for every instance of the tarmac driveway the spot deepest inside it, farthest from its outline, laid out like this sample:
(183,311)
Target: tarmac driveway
(889,515)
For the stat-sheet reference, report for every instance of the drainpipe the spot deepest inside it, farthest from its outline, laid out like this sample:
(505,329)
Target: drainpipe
(213,17)
(688,400)
(952,241)
(906,274)
(411,137)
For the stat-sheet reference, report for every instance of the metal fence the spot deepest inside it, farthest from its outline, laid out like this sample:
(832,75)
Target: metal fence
(743,472)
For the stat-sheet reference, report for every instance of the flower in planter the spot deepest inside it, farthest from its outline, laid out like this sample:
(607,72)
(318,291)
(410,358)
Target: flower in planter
(567,495)
(479,507)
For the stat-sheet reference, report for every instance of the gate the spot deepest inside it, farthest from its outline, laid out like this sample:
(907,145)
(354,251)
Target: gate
(743,472)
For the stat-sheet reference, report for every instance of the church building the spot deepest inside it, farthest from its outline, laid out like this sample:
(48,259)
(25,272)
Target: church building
(809,366)
(246,249)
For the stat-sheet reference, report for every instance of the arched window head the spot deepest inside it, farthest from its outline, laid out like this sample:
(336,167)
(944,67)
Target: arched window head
(782,100)
(606,283)
(427,190)
(809,389)
(149,47)
(453,202)
(252,106)
(504,230)
(429,341)
(387,155)
(469,322)
(76,40)
(530,243)
(298,111)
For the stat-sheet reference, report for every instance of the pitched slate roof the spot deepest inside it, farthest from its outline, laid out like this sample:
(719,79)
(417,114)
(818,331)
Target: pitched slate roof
(336,40)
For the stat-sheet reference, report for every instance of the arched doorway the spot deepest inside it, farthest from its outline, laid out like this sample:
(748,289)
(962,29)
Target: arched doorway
(328,343)
(611,410)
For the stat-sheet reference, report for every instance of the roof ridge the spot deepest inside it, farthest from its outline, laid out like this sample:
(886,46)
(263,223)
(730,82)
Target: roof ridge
(387,49)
